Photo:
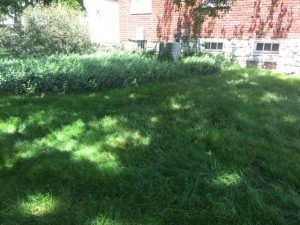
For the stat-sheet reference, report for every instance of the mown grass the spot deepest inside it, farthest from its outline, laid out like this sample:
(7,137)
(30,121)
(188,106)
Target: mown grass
(201,150)
(3,52)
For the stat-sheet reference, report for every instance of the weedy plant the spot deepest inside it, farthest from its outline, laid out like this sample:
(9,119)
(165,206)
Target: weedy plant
(74,73)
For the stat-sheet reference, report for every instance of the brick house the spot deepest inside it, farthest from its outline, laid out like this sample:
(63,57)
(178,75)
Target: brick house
(255,32)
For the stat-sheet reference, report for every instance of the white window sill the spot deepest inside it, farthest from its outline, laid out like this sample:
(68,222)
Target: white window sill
(265,53)
(213,50)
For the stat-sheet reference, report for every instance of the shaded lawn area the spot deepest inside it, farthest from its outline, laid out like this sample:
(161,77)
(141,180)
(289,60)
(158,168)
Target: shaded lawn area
(201,150)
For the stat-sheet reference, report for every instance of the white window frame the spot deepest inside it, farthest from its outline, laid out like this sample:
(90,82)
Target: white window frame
(139,7)
(210,44)
(263,52)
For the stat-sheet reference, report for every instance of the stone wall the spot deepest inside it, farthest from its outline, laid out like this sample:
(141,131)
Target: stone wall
(243,50)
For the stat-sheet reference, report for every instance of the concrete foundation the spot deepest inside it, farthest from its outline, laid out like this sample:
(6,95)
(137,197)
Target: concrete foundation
(287,60)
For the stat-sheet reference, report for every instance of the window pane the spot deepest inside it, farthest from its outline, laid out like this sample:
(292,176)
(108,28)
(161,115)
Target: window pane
(207,45)
(259,47)
(141,7)
(213,45)
(275,47)
(220,46)
(267,47)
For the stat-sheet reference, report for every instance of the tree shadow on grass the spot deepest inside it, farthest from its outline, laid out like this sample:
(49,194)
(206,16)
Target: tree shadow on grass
(216,150)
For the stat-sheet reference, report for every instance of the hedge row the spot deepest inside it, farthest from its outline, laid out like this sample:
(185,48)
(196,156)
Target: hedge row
(73,74)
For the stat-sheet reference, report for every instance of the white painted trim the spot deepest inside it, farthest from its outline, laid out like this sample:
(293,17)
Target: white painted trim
(138,7)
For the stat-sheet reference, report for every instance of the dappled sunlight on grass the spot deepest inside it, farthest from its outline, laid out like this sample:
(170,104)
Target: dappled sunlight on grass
(290,119)
(203,150)
(88,141)
(180,102)
(123,138)
(228,179)
(64,139)
(93,154)
(154,119)
(271,97)
(39,205)
(243,78)
(40,118)
(132,96)
(243,97)
(9,126)
(102,220)
(109,123)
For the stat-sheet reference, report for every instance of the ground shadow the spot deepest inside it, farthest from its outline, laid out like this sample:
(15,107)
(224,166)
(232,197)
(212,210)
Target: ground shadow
(195,151)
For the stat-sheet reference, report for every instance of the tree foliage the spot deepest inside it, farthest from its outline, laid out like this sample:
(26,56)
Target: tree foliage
(204,8)
(46,30)
(14,8)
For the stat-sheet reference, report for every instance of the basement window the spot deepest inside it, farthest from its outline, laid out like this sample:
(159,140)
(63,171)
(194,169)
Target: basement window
(214,46)
(270,48)
(140,6)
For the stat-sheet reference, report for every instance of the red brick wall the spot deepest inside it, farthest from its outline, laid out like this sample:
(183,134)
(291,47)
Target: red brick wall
(257,19)
(247,19)
(160,25)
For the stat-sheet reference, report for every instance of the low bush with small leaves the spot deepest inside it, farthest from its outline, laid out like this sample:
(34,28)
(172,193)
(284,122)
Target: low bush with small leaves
(75,73)
(47,30)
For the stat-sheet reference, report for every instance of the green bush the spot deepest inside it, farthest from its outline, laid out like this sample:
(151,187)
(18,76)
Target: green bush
(223,61)
(48,30)
(70,74)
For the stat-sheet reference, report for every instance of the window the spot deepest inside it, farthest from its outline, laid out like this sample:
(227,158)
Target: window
(140,6)
(214,46)
(267,48)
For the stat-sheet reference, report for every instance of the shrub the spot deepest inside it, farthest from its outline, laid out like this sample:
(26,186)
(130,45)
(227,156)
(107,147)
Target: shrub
(71,74)
(223,61)
(48,30)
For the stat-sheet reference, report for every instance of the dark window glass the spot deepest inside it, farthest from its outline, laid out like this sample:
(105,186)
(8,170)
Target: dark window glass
(259,47)
(207,45)
(214,45)
(267,47)
(275,47)
(220,46)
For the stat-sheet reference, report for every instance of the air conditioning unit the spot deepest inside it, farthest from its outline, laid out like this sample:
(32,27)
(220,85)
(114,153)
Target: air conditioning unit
(140,34)
(169,50)
(140,38)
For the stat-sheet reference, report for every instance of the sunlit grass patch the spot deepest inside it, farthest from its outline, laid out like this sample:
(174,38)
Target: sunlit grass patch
(123,138)
(10,126)
(96,154)
(228,179)
(290,119)
(180,102)
(3,52)
(102,220)
(66,138)
(39,205)
(109,122)
(271,97)
(154,119)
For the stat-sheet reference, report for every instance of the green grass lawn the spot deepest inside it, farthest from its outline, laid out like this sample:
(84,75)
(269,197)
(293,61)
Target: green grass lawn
(3,52)
(214,150)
